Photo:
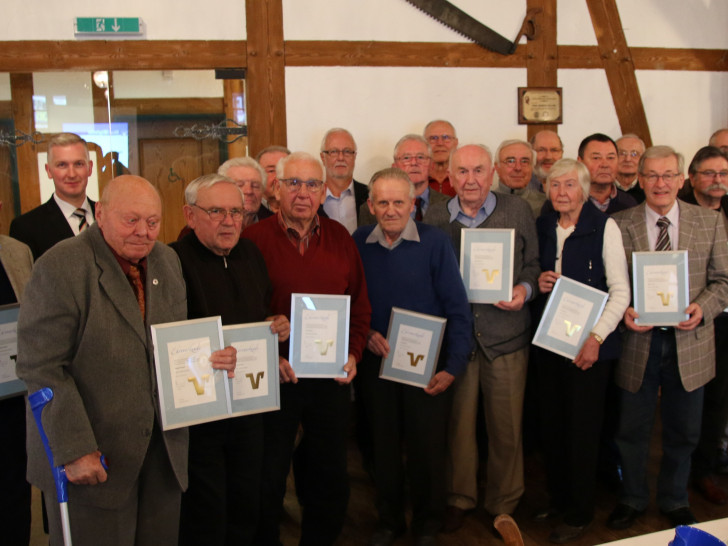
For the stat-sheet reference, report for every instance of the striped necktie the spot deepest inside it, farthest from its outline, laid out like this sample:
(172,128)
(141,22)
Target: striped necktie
(81,215)
(663,239)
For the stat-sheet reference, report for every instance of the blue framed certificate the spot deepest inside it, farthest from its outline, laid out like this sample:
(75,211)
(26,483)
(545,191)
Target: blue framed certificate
(572,310)
(190,390)
(319,345)
(661,287)
(414,347)
(10,385)
(486,264)
(255,387)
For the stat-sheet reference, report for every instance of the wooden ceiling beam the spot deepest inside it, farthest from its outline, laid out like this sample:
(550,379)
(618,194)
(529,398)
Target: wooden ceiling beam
(542,58)
(619,67)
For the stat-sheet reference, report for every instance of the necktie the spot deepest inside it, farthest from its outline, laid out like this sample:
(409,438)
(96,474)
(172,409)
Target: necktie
(418,209)
(136,281)
(663,239)
(81,215)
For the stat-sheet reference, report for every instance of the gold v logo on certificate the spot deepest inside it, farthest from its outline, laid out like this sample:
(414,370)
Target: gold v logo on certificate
(414,360)
(409,344)
(571,329)
(490,275)
(324,344)
(255,381)
(199,385)
(664,298)
(250,369)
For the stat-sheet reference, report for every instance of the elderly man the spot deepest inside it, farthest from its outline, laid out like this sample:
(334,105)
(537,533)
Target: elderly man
(224,276)
(306,253)
(84,332)
(629,149)
(502,335)
(719,139)
(250,177)
(669,364)
(599,153)
(268,158)
(403,415)
(68,212)
(440,135)
(708,172)
(514,164)
(412,154)
(549,149)
(344,195)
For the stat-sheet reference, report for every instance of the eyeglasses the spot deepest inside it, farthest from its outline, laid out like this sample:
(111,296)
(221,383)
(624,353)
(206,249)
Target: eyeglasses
(218,215)
(294,185)
(667,177)
(346,152)
(625,153)
(511,161)
(444,138)
(713,174)
(407,158)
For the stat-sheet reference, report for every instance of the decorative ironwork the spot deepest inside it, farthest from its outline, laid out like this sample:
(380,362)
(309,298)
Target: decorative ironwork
(222,131)
(18,138)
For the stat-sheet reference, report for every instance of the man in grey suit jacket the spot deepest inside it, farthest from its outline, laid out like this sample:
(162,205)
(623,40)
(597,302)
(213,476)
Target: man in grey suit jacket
(68,211)
(502,337)
(674,361)
(413,155)
(84,332)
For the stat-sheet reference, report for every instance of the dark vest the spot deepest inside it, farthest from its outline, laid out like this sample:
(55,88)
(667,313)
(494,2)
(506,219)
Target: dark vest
(581,258)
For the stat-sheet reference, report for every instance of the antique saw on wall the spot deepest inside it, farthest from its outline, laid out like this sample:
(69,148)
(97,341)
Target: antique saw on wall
(453,17)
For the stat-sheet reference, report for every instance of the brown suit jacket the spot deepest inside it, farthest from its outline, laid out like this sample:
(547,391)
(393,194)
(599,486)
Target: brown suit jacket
(702,234)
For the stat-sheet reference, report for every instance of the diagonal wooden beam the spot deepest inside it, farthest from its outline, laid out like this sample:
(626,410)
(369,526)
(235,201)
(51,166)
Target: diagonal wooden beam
(266,74)
(542,53)
(619,67)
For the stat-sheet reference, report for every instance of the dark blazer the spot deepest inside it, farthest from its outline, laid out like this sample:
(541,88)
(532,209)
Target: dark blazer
(43,227)
(80,333)
(702,234)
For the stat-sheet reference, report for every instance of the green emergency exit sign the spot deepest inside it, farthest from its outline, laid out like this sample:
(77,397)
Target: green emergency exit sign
(108,25)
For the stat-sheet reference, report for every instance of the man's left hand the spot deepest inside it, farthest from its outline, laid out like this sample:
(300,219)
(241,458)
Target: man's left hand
(225,359)
(519,298)
(695,313)
(439,383)
(350,369)
(280,326)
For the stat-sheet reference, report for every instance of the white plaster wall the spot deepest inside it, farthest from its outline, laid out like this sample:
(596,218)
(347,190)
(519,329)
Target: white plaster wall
(4,86)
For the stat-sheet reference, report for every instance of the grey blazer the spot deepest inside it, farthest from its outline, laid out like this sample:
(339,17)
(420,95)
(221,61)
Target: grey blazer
(80,333)
(702,234)
(17,260)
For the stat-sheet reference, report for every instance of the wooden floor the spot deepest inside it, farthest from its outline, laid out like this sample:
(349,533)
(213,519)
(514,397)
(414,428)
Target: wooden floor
(361,517)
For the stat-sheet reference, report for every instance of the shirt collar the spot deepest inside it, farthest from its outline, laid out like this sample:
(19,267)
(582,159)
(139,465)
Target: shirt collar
(651,216)
(68,209)
(348,191)
(409,233)
(486,209)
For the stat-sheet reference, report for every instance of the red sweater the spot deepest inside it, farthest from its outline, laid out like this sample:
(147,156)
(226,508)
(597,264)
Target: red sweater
(330,265)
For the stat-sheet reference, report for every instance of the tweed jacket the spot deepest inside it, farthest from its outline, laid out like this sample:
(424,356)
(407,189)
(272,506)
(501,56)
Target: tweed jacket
(499,332)
(17,260)
(702,234)
(80,333)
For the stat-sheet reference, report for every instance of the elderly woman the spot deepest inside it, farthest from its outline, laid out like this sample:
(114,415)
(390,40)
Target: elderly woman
(580,242)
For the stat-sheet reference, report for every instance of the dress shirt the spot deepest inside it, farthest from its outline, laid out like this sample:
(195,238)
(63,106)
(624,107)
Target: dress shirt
(651,218)
(409,233)
(425,203)
(68,209)
(342,208)
(604,206)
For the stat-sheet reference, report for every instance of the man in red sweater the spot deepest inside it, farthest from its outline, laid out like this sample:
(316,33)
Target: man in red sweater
(305,253)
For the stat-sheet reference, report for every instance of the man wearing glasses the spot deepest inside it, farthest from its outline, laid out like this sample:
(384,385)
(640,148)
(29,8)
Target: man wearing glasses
(549,149)
(669,365)
(412,154)
(440,135)
(307,253)
(629,149)
(514,165)
(708,174)
(344,195)
(599,153)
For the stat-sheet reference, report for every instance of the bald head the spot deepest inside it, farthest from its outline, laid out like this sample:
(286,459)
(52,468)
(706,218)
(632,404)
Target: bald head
(129,215)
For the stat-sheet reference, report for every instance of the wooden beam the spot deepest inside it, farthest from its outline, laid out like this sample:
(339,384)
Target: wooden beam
(234,93)
(42,55)
(542,53)
(21,92)
(167,107)
(618,65)
(6,109)
(266,75)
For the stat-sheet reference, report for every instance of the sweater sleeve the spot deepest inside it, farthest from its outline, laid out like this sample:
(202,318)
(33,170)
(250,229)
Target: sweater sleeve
(615,267)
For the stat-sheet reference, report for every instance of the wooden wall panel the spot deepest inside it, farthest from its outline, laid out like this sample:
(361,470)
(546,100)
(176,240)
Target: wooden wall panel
(542,53)
(21,90)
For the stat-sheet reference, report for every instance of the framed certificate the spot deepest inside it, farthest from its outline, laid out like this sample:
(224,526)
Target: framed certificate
(10,385)
(190,391)
(255,387)
(571,312)
(486,264)
(414,347)
(660,287)
(319,345)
